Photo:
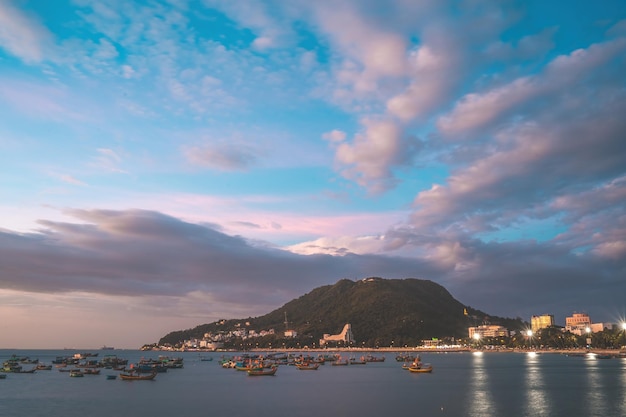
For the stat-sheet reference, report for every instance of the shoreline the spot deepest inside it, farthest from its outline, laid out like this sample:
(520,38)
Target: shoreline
(580,351)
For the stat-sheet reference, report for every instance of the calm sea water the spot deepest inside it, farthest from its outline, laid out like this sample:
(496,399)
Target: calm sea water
(462,384)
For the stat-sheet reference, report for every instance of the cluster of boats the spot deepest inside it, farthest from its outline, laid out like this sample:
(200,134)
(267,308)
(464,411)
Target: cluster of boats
(301,361)
(80,365)
(257,365)
(14,365)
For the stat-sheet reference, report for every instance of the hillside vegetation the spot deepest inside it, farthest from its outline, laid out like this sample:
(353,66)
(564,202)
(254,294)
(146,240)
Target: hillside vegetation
(382,312)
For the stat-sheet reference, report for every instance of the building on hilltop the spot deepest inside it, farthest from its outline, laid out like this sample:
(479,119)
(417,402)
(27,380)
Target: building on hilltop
(345,336)
(541,322)
(488,330)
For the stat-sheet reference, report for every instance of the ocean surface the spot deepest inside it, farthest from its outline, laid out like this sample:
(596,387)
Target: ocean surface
(461,384)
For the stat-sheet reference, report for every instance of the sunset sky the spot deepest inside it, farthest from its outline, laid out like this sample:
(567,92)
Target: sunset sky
(165,164)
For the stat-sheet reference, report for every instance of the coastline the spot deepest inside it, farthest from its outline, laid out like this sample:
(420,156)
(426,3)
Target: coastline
(581,351)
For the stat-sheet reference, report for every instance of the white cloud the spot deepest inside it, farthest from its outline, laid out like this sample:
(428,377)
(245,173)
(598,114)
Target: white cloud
(262,43)
(127,71)
(334,136)
(474,111)
(479,110)
(223,157)
(21,35)
(433,74)
(371,157)
(71,180)
(369,53)
(108,160)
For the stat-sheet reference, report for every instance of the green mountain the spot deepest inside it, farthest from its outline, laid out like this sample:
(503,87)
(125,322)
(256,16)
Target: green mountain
(382,312)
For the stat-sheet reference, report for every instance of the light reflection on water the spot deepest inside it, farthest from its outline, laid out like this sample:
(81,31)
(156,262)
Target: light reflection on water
(623,384)
(481,404)
(537,403)
(594,399)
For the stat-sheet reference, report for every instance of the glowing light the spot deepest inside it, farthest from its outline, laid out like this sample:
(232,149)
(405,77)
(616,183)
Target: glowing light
(529,333)
(476,336)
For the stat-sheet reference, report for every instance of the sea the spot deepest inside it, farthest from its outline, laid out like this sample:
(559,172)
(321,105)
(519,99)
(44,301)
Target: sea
(472,384)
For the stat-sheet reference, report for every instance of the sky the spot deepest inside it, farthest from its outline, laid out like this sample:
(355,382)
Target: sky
(169,163)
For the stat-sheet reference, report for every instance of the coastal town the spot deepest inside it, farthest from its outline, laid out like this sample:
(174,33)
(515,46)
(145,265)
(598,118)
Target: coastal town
(579,333)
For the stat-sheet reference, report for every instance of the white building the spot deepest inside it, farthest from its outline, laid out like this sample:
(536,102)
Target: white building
(345,336)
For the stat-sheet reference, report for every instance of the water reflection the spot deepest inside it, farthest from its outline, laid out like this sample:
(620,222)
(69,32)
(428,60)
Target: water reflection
(482,403)
(537,403)
(622,405)
(594,398)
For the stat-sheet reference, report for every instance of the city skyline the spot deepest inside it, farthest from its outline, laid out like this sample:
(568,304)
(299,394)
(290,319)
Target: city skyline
(169,163)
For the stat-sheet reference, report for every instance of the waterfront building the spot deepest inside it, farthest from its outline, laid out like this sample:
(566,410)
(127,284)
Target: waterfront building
(488,330)
(541,322)
(345,336)
(598,327)
(578,323)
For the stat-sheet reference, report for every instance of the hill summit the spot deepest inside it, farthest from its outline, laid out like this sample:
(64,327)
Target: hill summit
(382,312)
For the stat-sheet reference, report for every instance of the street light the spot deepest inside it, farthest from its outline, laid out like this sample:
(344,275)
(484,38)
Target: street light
(588,331)
(529,333)
(476,337)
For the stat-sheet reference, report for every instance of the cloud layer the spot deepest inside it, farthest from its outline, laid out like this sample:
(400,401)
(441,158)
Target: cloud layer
(226,158)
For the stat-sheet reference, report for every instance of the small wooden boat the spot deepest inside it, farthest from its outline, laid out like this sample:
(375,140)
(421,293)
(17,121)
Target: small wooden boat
(406,357)
(421,368)
(137,377)
(21,371)
(91,371)
(307,366)
(111,376)
(3,376)
(340,362)
(76,373)
(262,371)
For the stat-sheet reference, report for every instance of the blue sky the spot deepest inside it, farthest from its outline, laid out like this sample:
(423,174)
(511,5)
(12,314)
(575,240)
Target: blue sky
(165,164)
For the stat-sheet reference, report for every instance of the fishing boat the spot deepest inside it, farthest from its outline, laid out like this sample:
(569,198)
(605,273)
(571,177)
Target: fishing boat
(262,371)
(137,377)
(340,362)
(421,368)
(308,366)
(21,371)
(91,371)
(406,357)
(76,373)
(418,366)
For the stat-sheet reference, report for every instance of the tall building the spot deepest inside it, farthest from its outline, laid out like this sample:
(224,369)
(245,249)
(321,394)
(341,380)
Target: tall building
(541,322)
(578,323)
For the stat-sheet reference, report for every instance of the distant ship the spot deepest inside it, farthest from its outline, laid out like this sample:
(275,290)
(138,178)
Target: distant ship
(107,348)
